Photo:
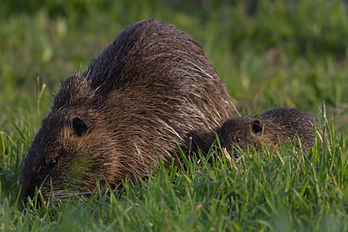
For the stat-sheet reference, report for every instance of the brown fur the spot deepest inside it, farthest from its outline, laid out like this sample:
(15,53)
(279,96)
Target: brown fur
(145,94)
(271,128)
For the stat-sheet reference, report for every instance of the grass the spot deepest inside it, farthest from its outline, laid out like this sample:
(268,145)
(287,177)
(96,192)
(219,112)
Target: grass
(270,54)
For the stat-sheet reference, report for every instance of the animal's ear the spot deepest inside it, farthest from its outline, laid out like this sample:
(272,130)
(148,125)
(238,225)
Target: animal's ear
(256,126)
(80,127)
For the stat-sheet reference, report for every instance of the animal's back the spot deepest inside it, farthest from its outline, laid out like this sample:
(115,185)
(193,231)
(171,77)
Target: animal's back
(162,89)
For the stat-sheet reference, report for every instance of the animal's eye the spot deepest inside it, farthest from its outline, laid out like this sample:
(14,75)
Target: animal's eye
(79,126)
(237,140)
(53,163)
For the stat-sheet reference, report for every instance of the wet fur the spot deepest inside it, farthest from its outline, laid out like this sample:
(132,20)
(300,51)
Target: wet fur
(145,94)
(275,126)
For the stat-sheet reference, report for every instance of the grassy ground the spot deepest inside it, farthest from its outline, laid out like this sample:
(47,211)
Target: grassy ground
(268,54)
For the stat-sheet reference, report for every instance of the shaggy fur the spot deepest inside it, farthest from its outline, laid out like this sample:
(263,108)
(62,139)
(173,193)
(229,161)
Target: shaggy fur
(145,94)
(271,128)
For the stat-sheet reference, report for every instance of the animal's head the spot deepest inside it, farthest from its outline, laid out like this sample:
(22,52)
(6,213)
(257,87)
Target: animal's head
(65,151)
(241,132)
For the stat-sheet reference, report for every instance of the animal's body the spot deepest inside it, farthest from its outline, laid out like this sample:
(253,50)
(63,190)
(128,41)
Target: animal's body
(270,128)
(142,97)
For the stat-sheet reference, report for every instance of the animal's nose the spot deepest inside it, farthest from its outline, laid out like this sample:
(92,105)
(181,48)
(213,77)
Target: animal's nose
(23,182)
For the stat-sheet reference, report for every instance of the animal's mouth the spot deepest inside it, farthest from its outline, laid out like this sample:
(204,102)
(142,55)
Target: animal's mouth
(64,194)
(48,192)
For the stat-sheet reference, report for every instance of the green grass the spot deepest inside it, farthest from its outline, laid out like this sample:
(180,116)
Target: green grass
(278,53)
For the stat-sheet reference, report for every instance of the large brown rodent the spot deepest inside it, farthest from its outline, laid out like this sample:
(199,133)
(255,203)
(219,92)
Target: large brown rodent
(271,128)
(145,94)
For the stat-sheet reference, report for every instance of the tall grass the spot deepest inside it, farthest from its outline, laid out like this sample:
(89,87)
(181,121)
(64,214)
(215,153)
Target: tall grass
(292,191)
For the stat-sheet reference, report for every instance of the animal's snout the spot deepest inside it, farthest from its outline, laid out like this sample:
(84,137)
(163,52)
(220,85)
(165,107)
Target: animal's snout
(24,181)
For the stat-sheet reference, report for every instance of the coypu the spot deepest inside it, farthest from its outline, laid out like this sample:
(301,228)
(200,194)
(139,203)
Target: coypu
(145,94)
(270,128)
